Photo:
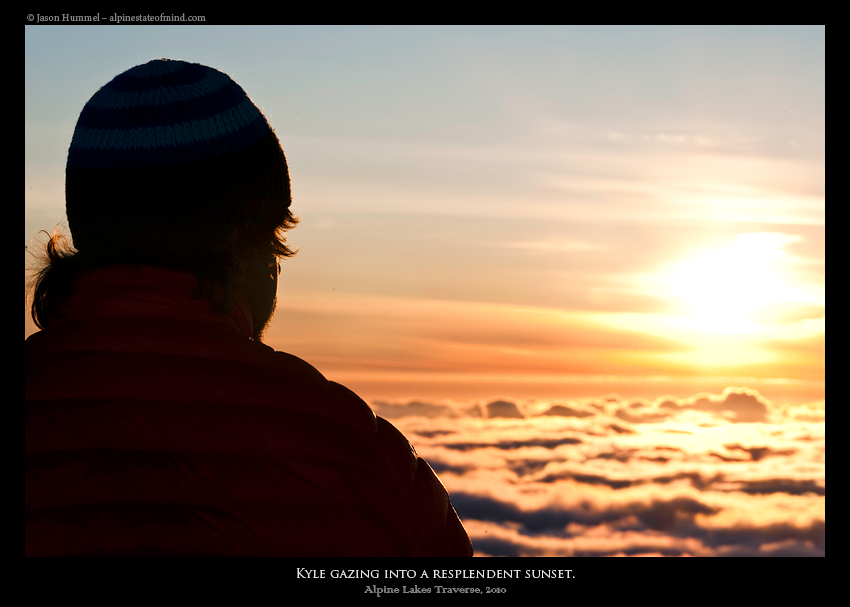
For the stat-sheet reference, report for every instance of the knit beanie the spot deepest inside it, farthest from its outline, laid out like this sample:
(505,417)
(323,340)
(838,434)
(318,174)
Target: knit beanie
(172,158)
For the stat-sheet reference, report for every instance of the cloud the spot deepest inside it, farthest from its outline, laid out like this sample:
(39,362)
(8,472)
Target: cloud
(546,443)
(642,417)
(413,408)
(588,479)
(502,408)
(812,412)
(565,411)
(711,475)
(735,404)
(672,527)
(757,453)
(657,514)
(782,485)
(746,537)
(717,482)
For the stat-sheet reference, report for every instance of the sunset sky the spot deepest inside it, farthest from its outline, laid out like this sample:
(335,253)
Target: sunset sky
(541,215)
(553,209)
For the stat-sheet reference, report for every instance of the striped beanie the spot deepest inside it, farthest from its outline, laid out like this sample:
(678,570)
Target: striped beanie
(172,158)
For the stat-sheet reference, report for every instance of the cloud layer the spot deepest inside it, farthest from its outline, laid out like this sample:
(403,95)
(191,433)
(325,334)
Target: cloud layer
(713,475)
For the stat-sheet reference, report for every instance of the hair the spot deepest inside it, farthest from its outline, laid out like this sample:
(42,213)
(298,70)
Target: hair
(57,264)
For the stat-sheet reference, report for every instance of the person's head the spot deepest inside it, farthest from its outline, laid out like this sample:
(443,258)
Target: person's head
(171,164)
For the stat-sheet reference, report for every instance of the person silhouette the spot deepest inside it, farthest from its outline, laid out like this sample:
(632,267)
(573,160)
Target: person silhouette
(157,422)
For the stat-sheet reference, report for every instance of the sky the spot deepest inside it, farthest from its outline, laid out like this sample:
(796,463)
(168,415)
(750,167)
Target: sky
(603,219)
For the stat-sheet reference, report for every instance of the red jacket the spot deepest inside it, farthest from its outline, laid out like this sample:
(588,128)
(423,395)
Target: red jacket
(154,426)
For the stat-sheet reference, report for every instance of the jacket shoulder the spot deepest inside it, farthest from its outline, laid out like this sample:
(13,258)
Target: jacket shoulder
(240,446)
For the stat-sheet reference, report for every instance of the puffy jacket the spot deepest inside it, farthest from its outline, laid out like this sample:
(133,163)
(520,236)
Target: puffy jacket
(154,426)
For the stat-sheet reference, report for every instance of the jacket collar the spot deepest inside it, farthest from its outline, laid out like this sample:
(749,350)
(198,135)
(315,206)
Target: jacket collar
(148,291)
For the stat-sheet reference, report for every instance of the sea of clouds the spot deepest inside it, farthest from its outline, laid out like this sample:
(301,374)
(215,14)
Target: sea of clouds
(712,475)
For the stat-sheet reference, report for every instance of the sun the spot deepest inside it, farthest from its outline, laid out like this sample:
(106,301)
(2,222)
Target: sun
(725,288)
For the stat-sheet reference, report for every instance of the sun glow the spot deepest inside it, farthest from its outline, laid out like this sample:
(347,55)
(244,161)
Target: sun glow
(725,289)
